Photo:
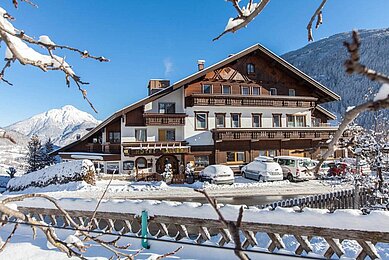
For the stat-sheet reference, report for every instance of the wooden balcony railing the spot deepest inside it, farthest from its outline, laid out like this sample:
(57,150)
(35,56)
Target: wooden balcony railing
(164,119)
(146,148)
(94,148)
(112,148)
(249,101)
(272,133)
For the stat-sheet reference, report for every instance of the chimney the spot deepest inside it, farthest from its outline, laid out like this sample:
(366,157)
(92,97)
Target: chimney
(156,85)
(200,64)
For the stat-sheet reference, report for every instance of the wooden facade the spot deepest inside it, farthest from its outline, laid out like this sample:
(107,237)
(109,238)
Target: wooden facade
(252,82)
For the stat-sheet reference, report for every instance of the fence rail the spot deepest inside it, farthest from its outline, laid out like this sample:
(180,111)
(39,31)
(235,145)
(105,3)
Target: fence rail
(201,230)
(342,199)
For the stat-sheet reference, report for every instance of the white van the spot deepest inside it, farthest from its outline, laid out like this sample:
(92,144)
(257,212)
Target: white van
(217,174)
(296,168)
(263,169)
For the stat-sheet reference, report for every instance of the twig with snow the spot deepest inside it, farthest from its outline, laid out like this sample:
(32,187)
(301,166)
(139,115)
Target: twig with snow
(232,227)
(318,15)
(18,48)
(9,237)
(245,16)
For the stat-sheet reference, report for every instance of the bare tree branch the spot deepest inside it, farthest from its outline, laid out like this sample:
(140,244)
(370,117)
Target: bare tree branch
(9,237)
(353,65)
(230,225)
(319,15)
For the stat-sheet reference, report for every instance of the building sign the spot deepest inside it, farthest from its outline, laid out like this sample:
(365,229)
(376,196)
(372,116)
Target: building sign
(155,151)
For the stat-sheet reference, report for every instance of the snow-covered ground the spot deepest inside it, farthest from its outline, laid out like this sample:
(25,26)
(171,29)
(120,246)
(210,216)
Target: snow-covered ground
(160,190)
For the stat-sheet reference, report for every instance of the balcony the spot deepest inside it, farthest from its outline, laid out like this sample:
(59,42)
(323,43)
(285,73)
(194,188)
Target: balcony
(112,148)
(249,101)
(155,148)
(164,119)
(94,148)
(224,134)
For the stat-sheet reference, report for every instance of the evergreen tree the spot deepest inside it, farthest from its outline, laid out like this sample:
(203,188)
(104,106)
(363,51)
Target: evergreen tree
(35,155)
(48,148)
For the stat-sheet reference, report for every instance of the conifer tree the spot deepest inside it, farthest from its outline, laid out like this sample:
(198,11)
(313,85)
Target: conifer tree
(48,148)
(35,155)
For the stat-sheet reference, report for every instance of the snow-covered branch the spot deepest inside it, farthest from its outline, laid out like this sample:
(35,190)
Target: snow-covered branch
(318,15)
(19,47)
(245,16)
(381,100)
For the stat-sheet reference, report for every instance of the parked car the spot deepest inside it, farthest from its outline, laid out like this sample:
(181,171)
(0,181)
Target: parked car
(324,168)
(338,169)
(296,168)
(364,166)
(263,169)
(217,174)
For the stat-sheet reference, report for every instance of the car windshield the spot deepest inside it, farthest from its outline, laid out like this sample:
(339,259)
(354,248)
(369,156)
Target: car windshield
(305,163)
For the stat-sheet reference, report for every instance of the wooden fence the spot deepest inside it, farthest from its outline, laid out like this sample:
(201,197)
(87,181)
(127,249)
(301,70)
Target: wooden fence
(201,230)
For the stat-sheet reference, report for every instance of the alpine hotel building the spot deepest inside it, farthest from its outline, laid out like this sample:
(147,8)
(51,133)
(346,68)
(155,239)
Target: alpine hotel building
(251,103)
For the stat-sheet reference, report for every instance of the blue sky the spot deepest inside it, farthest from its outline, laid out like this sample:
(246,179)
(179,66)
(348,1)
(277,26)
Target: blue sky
(155,39)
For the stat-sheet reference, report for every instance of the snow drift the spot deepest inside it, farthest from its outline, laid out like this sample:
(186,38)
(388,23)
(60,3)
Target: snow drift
(78,170)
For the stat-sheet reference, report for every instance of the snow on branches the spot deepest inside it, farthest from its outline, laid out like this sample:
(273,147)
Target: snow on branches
(247,13)
(19,47)
(353,65)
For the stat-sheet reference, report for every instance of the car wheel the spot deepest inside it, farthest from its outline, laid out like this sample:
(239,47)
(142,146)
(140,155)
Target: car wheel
(244,174)
(289,177)
(260,178)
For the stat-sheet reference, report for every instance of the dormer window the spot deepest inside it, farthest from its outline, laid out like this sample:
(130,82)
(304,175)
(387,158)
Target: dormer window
(250,68)
(245,91)
(292,92)
(273,91)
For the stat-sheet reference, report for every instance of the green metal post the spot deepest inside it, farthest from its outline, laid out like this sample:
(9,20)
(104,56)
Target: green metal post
(145,242)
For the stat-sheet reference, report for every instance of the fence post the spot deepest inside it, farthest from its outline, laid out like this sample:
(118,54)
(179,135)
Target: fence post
(145,242)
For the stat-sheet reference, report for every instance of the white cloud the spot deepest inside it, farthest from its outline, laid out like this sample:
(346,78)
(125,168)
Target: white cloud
(168,64)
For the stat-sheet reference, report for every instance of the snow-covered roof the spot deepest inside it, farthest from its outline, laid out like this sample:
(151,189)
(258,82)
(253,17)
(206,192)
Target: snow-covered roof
(325,92)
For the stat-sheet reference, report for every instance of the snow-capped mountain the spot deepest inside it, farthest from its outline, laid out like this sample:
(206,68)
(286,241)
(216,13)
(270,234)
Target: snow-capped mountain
(62,125)
(324,59)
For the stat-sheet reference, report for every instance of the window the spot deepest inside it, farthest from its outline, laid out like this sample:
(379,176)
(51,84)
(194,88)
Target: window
(276,120)
(315,121)
(167,108)
(235,120)
(250,68)
(235,157)
(257,120)
(201,160)
(141,163)
(141,135)
(220,120)
(292,92)
(201,121)
(128,165)
(99,167)
(245,90)
(114,137)
(226,90)
(112,167)
(296,121)
(256,91)
(269,153)
(273,91)
(207,89)
(166,135)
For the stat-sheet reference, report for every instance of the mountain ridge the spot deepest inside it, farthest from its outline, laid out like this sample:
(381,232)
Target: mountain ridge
(324,60)
(61,125)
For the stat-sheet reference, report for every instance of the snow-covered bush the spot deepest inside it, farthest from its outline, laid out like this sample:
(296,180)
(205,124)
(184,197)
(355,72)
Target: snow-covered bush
(79,170)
